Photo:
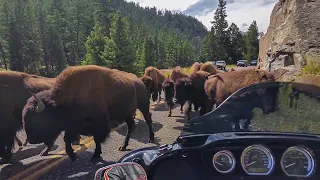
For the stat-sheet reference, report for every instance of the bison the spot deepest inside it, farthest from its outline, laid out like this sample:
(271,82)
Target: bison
(14,92)
(194,68)
(231,69)
(143,103)
(153,79)
(220,86)
(168,88)
(209,67)
(308,85)
(177,73)
(87,100)
(192,90)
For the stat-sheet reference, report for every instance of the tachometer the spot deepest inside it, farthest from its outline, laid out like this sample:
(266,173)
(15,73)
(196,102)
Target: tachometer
(298,162)
(257,160)
(224,161)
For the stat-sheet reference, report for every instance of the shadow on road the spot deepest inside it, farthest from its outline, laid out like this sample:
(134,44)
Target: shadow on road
(164,107)
(81,169)
(141,132)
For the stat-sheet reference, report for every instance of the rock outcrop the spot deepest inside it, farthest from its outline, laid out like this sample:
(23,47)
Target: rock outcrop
(293,36)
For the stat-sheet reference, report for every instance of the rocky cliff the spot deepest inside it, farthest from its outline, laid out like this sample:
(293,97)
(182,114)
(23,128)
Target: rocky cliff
(292,38)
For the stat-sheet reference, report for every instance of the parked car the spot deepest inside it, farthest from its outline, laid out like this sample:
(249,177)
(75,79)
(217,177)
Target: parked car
(242,63)
(221,65)
(253,63)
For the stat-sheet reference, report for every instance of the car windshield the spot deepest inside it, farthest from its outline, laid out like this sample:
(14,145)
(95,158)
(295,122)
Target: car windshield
(273,106)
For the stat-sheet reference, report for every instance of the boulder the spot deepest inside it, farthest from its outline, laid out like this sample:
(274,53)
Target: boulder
(292,36)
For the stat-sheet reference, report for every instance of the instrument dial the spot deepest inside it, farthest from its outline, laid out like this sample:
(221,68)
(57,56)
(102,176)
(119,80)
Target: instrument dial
(257,160)
(298,162)
(224,161)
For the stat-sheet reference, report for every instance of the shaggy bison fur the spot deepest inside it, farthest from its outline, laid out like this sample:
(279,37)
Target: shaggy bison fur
(195,68)
(87,100)
(177,73)
(308,85)
(168,88)
(220,86)
(153,79)
(192,90)
(14,92)
(143,103)
(209,67)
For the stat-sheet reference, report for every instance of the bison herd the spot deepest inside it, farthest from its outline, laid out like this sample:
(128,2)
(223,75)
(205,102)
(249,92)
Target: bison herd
(92,100)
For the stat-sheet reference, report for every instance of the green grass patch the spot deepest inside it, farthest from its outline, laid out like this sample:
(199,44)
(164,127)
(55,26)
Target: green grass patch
(231,65)
(186,70)
(313,65)
(166,74)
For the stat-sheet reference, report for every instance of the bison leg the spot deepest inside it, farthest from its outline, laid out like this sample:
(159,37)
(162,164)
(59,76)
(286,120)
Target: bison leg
(131,125)
(25,142)
(147,117)
(77,141)
(18,141)
(49,145)
(68,138)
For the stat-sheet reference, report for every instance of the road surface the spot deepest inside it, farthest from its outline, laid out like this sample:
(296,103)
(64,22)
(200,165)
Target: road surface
(28,165)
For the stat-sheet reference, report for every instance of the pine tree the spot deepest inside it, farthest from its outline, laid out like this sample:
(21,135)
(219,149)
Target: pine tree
(124,48)
(236,43)
(220,26)
(99,48)
(252,42)
(148,53)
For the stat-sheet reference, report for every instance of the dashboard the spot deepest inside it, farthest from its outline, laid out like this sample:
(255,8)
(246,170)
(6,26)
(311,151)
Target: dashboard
(241,156)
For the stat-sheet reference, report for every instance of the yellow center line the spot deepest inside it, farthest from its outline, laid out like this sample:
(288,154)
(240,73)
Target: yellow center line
(88,142)
(58,155)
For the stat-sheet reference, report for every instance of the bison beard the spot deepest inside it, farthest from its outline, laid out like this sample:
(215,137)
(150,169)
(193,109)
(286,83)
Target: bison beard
(88,100)
(14,94)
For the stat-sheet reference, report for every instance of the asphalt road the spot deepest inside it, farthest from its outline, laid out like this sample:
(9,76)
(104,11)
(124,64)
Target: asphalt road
(28,165)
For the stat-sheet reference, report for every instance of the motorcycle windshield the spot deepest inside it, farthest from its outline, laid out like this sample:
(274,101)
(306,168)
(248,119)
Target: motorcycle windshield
(268,107)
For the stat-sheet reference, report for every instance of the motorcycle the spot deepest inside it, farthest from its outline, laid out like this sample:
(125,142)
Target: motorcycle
(264,131)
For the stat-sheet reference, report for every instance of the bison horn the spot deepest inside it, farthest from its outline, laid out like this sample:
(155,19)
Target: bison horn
(40,106)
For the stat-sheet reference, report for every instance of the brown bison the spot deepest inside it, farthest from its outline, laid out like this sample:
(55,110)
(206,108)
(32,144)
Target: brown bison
(209,67)
(87,100)
(231,69)
(192,90)
(153,79)
(14,92)
(194,68)
(168,88)
(308,85)
(220,86)
(143,103)
(177,73)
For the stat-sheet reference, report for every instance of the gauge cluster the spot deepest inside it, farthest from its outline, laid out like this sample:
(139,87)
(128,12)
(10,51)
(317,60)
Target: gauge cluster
(258,159)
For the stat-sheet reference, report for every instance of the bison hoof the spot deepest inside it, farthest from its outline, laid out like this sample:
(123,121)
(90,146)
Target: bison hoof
(151,141)
(76,143)
(122,148)
(44,153)
(169,115)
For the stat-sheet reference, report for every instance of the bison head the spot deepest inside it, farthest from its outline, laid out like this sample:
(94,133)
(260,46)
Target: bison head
(41,118)
(181,90)
(168,88)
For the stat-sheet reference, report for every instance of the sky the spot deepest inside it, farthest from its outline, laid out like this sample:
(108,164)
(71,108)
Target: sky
(240,12)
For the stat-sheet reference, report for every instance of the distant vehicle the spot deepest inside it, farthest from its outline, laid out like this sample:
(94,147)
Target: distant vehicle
(242,63)
(253,63)
(221,65)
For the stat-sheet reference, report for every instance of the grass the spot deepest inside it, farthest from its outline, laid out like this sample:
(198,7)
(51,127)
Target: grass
(231,66)
(313,65)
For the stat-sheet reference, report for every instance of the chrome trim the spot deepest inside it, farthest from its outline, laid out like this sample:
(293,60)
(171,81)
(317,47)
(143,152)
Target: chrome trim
(265,150)
(305,151)
(229,155)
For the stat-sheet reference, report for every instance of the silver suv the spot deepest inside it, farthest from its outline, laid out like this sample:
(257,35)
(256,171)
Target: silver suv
(221,65)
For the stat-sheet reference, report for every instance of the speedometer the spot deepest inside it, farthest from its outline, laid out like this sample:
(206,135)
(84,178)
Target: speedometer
(257,160)
(224,161)
(298,162)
